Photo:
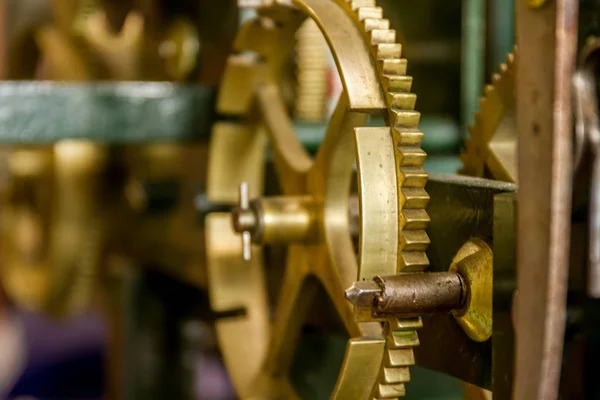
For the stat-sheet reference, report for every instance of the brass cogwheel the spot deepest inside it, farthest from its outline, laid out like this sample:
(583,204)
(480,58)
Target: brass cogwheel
(311,73)
(392,239)
(490,151)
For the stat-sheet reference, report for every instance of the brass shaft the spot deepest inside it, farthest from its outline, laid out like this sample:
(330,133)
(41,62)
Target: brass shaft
(278,220)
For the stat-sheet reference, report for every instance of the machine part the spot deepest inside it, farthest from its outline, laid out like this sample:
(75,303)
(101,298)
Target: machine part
(51,263)
(503,343)
(410,294)
(78,229)
(373,74)
(311,73)
(466,291)
(491,149)
(536,3)
(125,112)
(461,208)
(27,205)
(474,27)
(587,139)
(277,219)
(474,262)
(546,36)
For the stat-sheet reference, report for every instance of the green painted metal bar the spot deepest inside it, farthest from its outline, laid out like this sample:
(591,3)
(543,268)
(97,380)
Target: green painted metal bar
(473,58)
(125,112)
(502,31)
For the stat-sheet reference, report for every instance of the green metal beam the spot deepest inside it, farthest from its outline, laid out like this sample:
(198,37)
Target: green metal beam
(125,112)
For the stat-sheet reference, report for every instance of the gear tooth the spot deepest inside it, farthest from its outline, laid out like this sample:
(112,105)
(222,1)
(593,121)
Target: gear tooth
(510,58)
(392,66)
(415,177)
(405,324)
(411,156)
(402,339)
(414,219)
(415,240)
(369,12)
(399,358)
(356,4)
(388,50)
(488,89)
(371,24)
(388,391)
(381,36)
(414,197)
(395,375)
(397,83)
(407,137)
(402,101)
(404,118)
(413,261)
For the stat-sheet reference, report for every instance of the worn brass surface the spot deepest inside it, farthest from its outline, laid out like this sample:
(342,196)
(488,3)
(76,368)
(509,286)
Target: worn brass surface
(474,261)
(363,357)
(285,219)
(491,149)
(536,3)
(421,293)
(312,70)
(373,75)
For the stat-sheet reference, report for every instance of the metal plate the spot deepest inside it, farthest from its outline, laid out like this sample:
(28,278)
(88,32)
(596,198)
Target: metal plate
(44,112)
(460,208)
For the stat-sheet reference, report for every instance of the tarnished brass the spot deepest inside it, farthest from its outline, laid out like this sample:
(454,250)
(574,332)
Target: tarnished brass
(312,73)
(363,357)
(474,261)
(491,149)
(373,75)
(279,220)
(536,3)
(410,294)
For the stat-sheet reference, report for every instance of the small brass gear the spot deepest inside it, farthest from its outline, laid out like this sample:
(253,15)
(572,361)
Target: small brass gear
(490,150)
(311,73)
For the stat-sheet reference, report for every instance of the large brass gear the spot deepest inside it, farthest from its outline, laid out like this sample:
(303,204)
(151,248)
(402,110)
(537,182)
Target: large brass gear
(491,149)
(256,348)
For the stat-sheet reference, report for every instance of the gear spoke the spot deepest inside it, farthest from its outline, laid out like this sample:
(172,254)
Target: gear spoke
(296,295)
(292,161)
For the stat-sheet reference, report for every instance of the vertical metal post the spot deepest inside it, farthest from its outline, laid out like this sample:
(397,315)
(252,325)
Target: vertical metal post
(473,58)
(502,31)
(547,40)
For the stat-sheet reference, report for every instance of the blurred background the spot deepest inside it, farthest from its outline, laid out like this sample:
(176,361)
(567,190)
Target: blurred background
(117,210)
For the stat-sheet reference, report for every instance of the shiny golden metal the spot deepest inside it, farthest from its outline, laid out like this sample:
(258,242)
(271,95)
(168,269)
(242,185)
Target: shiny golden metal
(491,149)
(474,261)
(392,200)
(311,73)
(536,3)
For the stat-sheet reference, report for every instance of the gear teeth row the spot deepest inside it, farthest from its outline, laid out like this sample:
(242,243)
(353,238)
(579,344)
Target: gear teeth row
(410,158)
(491,105)
(401,338)
(311,64)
